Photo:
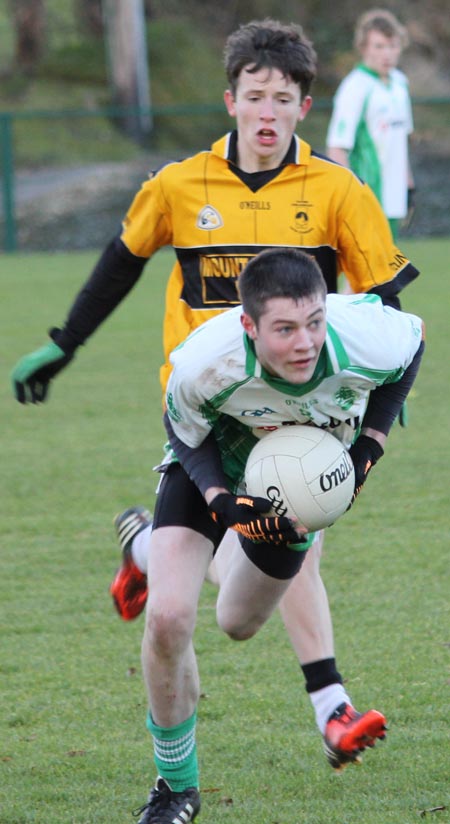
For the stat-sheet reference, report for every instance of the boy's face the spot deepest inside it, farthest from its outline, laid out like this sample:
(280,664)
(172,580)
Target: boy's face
(380,53)
(289,336)
(267,108)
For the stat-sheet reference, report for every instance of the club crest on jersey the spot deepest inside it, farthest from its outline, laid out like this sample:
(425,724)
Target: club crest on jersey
(345,397)
(209,218)
(301,217)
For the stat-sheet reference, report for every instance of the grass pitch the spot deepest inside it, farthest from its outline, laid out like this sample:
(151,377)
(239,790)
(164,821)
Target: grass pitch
(74,748)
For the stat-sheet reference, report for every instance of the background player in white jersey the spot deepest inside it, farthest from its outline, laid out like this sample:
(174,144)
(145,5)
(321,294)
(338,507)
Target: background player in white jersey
(372,118)
(289,340)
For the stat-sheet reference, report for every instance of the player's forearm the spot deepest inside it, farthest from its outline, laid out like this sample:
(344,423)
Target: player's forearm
(203,463)
(114,275)
(213,491)
(375,434)
(411,184)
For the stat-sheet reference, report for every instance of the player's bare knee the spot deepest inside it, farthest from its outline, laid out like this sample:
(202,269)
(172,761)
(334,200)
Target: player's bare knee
(235,626)
(239,633)
(168,631)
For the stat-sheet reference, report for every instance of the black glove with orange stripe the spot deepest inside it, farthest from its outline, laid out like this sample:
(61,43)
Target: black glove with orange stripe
(250,517)
(365,452)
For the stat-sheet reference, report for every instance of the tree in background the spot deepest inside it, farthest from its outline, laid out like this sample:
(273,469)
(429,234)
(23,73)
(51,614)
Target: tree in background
(126,43)
(29,20)
(122,24)
(89,17)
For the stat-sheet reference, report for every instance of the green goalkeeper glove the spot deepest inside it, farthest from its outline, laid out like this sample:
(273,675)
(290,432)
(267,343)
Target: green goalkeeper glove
(245,515)
(31,376)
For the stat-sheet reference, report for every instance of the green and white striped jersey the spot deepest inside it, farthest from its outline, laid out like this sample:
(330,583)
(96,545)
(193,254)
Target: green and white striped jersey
(218,383)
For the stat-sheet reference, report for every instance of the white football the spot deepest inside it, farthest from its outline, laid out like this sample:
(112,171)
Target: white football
(306,473)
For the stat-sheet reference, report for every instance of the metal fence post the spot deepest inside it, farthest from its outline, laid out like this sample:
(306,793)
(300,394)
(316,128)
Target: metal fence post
(7,165)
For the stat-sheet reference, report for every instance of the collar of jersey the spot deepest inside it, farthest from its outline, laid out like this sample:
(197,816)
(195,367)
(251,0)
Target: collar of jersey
(298,153)
(333,359)
(372,72)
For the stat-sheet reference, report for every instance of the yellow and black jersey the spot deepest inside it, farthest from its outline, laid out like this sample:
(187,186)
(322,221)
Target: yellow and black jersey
(216,221)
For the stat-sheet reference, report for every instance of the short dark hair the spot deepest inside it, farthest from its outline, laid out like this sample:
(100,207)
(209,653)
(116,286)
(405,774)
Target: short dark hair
(273,45)
(279,273)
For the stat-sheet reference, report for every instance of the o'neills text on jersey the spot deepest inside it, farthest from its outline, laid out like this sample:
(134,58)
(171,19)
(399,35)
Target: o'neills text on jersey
(255,204)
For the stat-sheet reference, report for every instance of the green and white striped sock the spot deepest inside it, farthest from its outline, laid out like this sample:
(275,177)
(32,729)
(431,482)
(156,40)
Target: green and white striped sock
(175,753)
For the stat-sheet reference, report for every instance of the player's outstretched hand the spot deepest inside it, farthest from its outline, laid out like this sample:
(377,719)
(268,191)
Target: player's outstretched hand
(31,376)
(249,516)
(365,452)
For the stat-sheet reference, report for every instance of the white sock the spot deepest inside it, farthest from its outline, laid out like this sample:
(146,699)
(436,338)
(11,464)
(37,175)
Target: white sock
(140,548)
(325,701)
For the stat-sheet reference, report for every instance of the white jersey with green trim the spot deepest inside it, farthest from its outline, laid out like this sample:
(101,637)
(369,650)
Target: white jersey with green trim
(372,119)
(218,383)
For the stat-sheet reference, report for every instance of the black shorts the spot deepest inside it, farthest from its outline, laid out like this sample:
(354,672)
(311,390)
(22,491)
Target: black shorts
(180,503)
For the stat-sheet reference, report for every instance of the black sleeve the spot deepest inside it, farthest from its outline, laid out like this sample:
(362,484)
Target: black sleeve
(389,299)
(113,277)
(386,401)
(203,464)
(388,292)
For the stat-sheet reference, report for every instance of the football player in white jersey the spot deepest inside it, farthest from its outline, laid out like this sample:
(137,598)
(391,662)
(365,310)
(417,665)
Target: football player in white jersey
(372,118)
(287,342)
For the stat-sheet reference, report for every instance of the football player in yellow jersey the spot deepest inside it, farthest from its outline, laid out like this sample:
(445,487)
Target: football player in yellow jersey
(259,186)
